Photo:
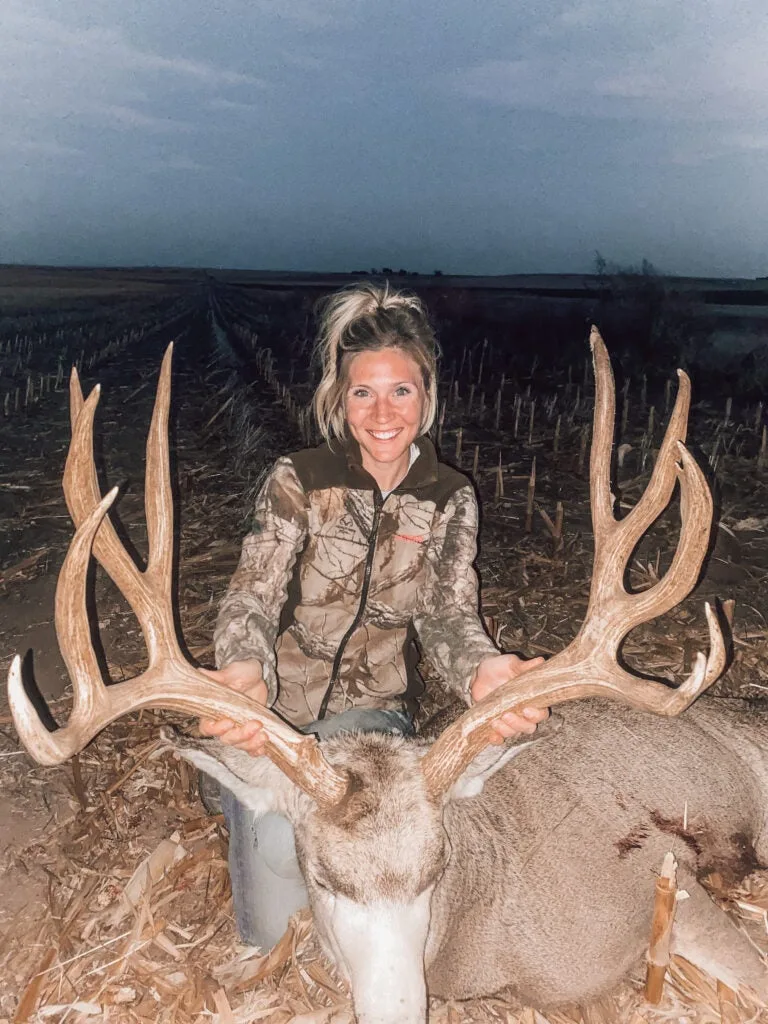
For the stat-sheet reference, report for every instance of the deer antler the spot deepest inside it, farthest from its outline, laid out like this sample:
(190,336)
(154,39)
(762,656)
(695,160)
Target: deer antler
(588,667)
(170,681)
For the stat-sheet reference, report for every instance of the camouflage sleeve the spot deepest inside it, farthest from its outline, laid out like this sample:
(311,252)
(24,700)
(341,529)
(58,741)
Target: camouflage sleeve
(448,621)
(249,614)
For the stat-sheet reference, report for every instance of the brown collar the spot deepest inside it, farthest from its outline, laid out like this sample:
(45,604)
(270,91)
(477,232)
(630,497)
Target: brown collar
(422,473)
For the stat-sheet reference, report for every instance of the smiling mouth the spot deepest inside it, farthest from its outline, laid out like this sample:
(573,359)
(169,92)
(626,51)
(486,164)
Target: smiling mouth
(384,435)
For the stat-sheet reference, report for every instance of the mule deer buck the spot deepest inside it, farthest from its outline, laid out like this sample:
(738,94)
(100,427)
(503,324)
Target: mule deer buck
(452,867)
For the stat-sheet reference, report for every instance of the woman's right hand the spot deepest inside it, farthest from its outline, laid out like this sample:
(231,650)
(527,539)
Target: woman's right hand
(245,677)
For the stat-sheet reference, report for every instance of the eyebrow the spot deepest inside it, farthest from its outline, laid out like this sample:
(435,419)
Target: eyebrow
(399,384)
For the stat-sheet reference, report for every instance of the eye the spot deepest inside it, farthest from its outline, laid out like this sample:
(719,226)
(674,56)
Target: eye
(360,393)
(403,391)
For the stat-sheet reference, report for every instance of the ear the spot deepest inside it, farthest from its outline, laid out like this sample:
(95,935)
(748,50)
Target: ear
(255,781)
(491,760)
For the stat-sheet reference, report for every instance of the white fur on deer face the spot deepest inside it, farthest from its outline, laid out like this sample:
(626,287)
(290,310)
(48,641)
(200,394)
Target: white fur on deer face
(370,865)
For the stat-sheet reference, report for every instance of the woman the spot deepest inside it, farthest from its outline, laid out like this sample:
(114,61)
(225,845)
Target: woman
(356,549)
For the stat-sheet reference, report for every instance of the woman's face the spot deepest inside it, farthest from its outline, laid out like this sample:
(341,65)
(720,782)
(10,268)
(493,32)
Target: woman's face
(385,401)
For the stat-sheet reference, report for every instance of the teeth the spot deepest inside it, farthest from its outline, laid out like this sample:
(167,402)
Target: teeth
(384,435)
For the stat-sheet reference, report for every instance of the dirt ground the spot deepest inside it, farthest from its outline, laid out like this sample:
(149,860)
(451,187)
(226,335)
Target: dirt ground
(535,589)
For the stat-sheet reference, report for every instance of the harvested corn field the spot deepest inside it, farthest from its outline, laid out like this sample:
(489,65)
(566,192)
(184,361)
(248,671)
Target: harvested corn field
(116,902)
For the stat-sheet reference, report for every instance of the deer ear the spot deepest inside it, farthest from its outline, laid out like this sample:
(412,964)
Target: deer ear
(490,760)
(254,781)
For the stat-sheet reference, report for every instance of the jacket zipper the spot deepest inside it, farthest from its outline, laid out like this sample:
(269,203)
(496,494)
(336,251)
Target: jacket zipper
(378,504)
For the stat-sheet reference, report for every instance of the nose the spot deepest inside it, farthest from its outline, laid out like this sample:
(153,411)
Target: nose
(381,410)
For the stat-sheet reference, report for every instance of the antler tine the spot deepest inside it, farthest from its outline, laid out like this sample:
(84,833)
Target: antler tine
(76,400)
(82,495)
(600,494)
(157,492)
(588,666)
(170,682)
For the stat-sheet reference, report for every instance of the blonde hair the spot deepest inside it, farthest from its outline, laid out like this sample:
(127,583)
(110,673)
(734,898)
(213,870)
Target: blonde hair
(368,318)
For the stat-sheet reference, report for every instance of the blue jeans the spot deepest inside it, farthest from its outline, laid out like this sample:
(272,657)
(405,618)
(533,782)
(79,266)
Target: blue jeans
(267,884)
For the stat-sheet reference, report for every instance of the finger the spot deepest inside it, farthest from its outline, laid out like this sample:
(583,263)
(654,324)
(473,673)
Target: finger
(528,666)
(535,714)
(242,734)
(215,726)
(511,724)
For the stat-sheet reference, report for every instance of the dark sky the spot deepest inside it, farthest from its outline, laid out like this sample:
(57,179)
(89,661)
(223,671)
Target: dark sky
(477,137)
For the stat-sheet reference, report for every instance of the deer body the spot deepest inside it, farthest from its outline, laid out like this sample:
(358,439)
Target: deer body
(542,883)
(549,889)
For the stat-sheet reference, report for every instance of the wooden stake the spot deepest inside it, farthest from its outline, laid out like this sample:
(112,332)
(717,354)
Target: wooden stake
(624,414)
(475,460)
(661,930)
(667,397)
(440,424)
(530,422)
(471,399)
(459,436)
(651,418)
(728,407)
(556,442)
(497,410)
(759,417)
(499,493)
(518,405)
(761,458)
(531,494)
(644,392)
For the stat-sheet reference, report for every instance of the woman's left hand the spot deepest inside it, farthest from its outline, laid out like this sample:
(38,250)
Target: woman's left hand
(492,673)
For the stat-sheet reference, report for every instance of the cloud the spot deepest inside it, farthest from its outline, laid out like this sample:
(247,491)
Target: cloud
(181,163)
(29,34)
(220,103)
(73,77)
(574,63)
(38,147)
(128,117)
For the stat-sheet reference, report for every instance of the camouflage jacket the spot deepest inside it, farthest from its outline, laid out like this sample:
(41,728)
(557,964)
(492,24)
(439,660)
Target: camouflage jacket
(335,583)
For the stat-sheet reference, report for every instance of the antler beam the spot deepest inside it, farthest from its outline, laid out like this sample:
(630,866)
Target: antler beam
(589,666)
(170,681)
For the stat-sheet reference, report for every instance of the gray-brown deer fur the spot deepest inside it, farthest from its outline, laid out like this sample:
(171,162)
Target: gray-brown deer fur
(543,881)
